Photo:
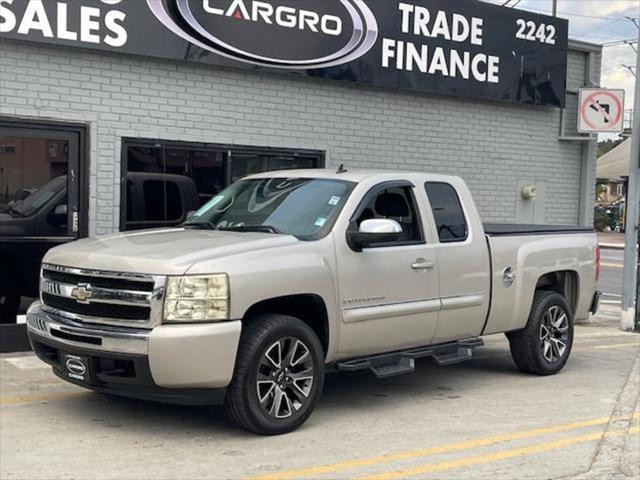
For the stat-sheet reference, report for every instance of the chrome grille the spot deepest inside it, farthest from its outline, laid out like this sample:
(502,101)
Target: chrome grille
(103,297)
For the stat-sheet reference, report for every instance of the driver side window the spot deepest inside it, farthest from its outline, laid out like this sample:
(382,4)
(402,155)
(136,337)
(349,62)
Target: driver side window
(395,203)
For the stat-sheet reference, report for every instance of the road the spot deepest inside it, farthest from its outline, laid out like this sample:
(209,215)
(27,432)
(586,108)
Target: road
(611,275)
(477,420)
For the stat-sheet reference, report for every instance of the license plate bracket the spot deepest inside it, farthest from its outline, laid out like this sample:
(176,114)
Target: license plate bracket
(75,367)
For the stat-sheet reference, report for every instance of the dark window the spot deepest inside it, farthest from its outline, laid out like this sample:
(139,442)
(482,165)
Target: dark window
(207,170)
(395,203)
(447,211)
(154,200)
(174,203)
(129,200)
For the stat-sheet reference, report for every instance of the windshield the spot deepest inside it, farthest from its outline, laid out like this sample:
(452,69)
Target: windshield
(304,207)
(39,198)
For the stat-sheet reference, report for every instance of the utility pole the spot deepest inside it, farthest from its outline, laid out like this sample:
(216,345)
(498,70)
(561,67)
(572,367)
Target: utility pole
(630,272)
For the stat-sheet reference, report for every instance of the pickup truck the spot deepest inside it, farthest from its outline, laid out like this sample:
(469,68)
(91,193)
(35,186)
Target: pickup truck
(285,276)
(39,221)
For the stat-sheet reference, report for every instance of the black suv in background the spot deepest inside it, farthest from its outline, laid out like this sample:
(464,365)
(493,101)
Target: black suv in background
(36,221)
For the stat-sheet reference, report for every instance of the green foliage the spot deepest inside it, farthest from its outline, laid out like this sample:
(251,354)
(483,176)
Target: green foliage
(601,221)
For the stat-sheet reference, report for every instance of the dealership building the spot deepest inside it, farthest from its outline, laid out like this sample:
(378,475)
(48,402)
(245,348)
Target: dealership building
(104,94)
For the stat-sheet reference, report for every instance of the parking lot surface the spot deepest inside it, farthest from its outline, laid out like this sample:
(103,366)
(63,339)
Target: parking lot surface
(477,420)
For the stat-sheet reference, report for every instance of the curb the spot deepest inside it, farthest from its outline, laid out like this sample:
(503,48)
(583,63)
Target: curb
(609,458)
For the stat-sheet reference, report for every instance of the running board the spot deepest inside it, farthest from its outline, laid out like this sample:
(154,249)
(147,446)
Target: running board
(396,363)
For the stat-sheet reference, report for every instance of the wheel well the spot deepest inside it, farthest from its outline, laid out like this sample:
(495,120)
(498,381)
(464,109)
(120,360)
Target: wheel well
(309,308)
(566,283)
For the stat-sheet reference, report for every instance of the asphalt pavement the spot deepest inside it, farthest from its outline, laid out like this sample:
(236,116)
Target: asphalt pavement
(611,275)
(482,419)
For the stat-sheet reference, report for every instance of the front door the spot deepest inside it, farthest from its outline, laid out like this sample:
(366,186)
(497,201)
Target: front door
(389,294)
(39,203)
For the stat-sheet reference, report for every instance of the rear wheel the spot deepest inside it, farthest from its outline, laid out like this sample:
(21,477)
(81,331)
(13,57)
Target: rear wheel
(278,376)
(544,345)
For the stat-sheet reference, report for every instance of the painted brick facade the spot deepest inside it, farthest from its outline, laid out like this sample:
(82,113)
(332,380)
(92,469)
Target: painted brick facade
(493,146)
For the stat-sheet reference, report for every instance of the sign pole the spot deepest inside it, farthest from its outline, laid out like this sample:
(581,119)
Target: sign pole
(629,276)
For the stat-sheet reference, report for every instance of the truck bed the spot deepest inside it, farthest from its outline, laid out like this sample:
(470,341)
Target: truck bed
(502,229)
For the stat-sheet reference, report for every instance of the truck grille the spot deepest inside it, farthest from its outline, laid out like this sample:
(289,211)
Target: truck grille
(102,297)
(105,310)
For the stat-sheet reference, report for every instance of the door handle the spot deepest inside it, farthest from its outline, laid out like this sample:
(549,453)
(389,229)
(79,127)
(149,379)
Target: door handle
(422,264)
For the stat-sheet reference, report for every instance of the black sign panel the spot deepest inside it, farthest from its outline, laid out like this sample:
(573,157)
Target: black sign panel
(457,47)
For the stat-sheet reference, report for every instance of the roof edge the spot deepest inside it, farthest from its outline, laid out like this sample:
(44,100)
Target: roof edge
(584,46)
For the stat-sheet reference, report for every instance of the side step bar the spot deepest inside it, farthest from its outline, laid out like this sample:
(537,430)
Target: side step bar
(396,363)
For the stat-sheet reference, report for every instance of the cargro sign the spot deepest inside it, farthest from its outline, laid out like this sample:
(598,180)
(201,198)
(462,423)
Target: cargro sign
(463,47)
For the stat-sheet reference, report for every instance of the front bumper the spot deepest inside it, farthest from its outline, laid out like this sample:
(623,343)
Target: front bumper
(190,364)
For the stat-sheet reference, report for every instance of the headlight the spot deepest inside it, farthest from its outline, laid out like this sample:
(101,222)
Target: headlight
(196,299)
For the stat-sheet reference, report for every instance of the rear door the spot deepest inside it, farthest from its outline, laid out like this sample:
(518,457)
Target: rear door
(463,260)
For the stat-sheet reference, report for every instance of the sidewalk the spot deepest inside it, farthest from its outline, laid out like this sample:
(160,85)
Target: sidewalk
(611,240)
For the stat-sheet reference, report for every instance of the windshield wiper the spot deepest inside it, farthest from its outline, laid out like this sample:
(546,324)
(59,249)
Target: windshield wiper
(252,228)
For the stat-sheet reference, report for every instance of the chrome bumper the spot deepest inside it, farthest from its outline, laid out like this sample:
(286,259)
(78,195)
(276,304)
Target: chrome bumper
(75,334)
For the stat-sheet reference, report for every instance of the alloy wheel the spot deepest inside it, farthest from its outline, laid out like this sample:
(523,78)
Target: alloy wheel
(285,377)
(554,334)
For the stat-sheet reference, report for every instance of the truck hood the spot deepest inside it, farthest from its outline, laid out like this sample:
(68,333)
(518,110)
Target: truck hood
(161,251)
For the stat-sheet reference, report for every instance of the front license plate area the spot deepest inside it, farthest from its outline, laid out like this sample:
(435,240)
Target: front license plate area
(75,367)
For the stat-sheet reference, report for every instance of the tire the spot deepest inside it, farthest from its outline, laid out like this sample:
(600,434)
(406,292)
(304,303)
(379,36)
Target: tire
(9,304)
(544,345)
(262,397)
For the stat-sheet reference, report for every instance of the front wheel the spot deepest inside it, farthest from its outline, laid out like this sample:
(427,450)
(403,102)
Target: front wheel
(544,345)
(278,376)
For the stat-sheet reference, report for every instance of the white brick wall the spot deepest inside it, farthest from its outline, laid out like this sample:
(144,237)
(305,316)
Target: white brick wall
(493,146)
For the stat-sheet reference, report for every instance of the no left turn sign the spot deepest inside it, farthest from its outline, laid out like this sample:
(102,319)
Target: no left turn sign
(601,110)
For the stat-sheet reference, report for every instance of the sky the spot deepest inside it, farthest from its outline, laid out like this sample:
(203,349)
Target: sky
(601,22)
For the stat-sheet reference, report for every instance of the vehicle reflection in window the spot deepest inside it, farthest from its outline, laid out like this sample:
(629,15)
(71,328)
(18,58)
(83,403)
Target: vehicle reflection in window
(38,199)
(303,207)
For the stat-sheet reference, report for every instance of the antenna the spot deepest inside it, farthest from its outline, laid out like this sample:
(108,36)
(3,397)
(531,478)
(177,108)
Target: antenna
(341,169)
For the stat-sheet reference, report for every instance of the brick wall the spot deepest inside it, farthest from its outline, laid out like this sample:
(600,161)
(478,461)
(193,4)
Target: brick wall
(493,146)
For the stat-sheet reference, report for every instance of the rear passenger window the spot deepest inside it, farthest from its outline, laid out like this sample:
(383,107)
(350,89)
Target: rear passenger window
(447,211)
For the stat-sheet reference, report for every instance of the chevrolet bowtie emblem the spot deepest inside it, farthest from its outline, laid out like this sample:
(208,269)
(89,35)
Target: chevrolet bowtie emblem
(82,293)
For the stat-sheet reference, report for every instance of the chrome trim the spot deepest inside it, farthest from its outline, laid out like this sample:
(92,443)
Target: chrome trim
(116,340)
(96,294)
(138,277)
(154,299)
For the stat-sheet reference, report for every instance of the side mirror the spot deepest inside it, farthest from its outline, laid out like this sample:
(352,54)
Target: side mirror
(374,232)
(58,218)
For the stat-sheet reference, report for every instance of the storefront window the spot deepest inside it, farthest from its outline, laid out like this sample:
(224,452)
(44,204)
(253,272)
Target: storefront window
(179,178)
(33,184)
(39,199)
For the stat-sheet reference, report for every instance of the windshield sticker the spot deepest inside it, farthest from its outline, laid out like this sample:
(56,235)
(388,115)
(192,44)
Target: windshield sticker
(334,200)
(320,222)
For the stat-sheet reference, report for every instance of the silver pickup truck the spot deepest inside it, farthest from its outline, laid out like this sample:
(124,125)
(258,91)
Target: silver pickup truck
(287,275)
